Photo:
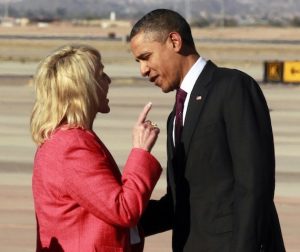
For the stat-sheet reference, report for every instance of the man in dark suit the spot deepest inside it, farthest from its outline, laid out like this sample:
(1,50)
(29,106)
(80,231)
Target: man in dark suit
(221,168)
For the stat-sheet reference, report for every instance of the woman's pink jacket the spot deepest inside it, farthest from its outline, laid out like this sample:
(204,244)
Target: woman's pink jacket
(82,202)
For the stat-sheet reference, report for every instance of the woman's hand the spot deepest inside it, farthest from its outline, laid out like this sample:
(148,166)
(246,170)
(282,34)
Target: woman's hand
(144,132)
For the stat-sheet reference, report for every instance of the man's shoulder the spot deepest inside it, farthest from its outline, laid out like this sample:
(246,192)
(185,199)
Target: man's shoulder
(228,76)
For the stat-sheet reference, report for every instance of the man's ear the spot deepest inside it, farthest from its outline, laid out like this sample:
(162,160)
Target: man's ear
(176,41)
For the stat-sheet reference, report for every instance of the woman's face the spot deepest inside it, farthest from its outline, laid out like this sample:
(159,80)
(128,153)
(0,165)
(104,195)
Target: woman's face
(103,81)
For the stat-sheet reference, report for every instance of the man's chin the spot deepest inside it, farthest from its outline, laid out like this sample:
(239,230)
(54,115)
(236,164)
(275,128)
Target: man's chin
(161,87)
(165,89)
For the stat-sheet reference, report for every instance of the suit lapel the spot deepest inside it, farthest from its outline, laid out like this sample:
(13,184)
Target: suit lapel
(196,102)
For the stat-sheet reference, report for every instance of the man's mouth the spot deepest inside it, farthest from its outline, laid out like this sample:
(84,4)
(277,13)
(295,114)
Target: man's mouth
(152,79)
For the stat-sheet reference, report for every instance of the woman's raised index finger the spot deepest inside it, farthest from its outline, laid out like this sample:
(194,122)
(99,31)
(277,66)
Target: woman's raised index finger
(143,115)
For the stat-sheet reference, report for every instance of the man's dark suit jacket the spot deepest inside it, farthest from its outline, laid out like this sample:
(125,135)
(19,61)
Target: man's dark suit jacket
(221,178)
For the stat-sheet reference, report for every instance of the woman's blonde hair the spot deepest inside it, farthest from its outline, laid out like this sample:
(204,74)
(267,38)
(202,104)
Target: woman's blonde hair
(66,90)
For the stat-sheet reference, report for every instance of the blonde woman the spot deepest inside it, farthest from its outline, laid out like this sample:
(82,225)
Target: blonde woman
(82,202)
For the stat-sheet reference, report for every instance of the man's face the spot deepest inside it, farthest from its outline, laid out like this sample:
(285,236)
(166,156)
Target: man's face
(158,61)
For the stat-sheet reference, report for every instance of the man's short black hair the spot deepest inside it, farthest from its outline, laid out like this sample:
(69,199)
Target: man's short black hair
(161,22)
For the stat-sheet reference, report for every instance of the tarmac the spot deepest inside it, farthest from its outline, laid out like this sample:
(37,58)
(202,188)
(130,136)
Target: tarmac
(127,97)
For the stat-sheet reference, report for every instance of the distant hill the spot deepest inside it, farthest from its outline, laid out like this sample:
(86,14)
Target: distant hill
(131,9)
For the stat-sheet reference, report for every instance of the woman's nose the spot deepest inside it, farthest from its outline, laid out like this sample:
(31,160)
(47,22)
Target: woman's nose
(107,78)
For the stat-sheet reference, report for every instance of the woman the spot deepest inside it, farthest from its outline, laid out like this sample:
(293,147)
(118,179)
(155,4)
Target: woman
(82,202)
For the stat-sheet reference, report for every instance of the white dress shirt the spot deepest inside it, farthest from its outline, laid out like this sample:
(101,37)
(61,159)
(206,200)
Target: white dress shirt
(188,84)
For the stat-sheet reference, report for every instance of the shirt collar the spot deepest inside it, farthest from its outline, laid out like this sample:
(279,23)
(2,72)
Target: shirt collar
(192,75)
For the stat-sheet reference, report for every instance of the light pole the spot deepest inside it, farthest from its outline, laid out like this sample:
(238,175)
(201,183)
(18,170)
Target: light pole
(6,8)
(222,13)
(187,9)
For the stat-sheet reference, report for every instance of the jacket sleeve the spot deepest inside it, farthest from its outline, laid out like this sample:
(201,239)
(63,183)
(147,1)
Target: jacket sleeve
(93,180)
(158,216)
(250,140)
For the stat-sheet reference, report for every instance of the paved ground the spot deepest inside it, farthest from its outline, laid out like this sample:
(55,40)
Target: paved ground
(17,223)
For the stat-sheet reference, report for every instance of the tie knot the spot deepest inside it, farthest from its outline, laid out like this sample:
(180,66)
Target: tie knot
(180,95)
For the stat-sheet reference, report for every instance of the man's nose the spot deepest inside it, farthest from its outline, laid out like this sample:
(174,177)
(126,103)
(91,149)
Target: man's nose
(144,69)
